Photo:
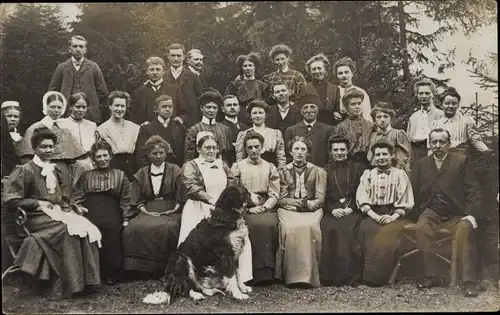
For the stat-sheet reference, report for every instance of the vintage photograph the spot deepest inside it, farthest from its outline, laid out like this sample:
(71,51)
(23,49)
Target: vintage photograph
(249,157)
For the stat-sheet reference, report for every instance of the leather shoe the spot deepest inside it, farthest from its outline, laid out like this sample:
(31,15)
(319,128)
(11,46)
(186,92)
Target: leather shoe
(429,282)
(470,290)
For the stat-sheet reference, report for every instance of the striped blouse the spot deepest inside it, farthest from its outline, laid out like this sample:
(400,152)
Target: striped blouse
(420,123)
(380,188)
(293,79)
(462,129)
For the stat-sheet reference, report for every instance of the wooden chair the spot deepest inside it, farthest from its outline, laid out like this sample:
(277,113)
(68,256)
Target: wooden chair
(14,232)
(444,238)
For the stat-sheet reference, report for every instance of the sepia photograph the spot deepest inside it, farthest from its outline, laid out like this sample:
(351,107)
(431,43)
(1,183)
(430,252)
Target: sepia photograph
(249,157)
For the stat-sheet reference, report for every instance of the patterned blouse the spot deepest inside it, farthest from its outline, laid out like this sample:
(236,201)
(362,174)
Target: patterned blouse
(247,90)
(121,136)
(402,146)
(262,178)
(110,181)
(419,125)
(377,188)
(293,79)
(358,131)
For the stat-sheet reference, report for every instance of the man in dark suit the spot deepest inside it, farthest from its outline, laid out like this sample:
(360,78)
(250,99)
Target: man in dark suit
(316,131)
(447,196)
(231,109)
(169,129)
(188,82)
(143,101)
(78,74)
(283,114)
(194,60)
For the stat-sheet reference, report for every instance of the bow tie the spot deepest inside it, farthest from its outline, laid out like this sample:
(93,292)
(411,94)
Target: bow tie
(309,127)
(159,174)
(387,171)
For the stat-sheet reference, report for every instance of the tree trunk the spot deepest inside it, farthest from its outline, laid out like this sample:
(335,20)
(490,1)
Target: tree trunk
(402,41)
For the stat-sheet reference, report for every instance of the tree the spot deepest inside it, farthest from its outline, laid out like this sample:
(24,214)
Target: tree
(34,41)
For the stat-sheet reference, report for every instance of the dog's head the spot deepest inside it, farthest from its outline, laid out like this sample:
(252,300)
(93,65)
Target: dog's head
(236,198)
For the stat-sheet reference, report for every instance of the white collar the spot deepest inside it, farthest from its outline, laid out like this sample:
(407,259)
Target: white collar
(457,114)
(284,110)
(249,78)
(38,161)
(157,169)
(233,120)
(284,70)
(208,121)
(429,108)
(73,59)
(310,124)
(71,118)
(440,160)
(177,71)
(154,83)
(49,122)
(163,121)
(193,70)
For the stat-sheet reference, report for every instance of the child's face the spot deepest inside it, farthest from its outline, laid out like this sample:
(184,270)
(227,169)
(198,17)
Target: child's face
(13,116)
(165,109)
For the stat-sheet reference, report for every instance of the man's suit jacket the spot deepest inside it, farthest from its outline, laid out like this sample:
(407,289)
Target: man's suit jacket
(235,130)
(144,101)
(273,119)
(319,135)
(456,179)
(93,85)
(327,105)
(191,88)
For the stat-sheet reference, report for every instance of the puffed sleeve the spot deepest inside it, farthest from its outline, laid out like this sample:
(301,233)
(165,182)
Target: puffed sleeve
(16,190)
(179,186)
(403,150)
(138,197)
(404,201)
(235,170)
(273,189)
(125,192)
(78,192)
(364,192)
(285,178)
(280,150)
(230,178)
(319,199)
(239,148)
(193,182)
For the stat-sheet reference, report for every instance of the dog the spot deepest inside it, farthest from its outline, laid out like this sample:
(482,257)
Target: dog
(207,261)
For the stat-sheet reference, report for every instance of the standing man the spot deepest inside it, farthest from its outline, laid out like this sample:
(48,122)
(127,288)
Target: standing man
(189,83)
(419,124)
(316,131)
(294,80)
(462,128)
(195,65)
(284,114)
(143,104)
(78,74)
(328,93)
(231,109)
(447,196)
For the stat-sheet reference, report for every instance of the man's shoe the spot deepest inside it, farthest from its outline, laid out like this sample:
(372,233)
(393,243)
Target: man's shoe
(470,289)
(429,282)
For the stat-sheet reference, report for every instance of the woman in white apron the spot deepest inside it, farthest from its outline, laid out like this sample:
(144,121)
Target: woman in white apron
(205,178)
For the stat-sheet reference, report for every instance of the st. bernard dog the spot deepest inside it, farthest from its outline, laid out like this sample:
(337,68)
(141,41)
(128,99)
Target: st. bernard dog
(207,261)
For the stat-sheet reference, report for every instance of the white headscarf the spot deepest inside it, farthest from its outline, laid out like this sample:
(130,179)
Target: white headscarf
(45,104)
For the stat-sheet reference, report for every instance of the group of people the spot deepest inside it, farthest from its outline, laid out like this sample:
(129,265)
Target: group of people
(337,181)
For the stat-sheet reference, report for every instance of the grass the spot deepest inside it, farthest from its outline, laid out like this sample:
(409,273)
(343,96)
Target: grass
(127,298)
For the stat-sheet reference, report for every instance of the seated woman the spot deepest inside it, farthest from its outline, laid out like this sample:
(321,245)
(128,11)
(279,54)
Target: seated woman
(120,134)
(152,235)
(299,216)
(384,195)
(261,177)
(51,252)
(273,149)
(340,255)
(204,179)
(67,149)
(105,193)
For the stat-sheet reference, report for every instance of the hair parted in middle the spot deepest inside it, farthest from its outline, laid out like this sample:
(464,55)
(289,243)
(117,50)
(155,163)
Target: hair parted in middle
(100,145)
(352,93)
(210,95)
(381,145)
(156,140)
(318,57)
(119,94)
(76,97)
(347,62)
(257,103)
(252,57)
(304,140)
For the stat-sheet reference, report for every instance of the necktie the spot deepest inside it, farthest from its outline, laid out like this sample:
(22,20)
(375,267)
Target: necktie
(159,174)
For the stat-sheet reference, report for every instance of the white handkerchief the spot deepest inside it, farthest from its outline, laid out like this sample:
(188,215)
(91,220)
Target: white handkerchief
(157,298)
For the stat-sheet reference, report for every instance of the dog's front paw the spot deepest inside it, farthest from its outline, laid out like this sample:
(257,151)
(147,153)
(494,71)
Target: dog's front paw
(244,288)
(240,296)
(196,295)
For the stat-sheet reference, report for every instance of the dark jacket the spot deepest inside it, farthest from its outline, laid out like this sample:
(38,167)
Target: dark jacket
(275,121)
(93,85)
(235,130)
(328,104)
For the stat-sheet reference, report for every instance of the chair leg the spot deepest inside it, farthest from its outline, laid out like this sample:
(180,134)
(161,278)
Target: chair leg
(11,269)
(395,271)
(454,268)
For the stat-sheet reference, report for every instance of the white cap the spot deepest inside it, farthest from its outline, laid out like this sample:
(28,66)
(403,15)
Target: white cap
(202,134)
(10,104)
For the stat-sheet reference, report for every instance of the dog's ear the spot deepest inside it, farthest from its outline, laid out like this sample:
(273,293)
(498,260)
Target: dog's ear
(230,198)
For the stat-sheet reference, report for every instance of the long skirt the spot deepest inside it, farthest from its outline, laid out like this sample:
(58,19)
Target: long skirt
(263,232)
(50,252)
(380,247)
(125,162)
(193,212)
(105,213)
(148,241)
(299,251)
(340,253)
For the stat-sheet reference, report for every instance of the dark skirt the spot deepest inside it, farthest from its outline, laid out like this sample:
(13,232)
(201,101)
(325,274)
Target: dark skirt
(380,247)
(148,241)
(104,212)
(263,234)
(418,150)
(340,262)
(125,162)
(50,252)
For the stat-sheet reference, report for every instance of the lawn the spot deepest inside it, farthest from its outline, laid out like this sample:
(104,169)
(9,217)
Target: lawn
(127,298)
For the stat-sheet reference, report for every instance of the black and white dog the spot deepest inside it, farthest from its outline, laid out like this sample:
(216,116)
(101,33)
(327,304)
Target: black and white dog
(207,261)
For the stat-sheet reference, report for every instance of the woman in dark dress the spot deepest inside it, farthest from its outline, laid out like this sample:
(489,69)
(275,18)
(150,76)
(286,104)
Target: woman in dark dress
(105,193)
(157,195)
(340,256)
